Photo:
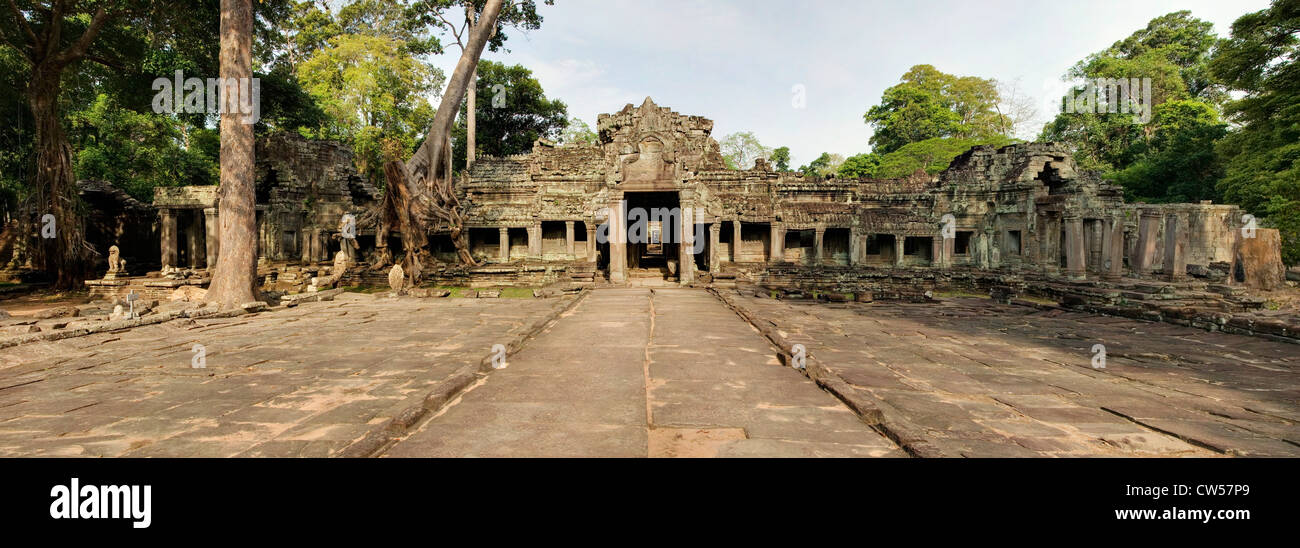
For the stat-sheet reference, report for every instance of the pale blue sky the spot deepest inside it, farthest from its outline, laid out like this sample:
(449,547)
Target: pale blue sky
(736,61)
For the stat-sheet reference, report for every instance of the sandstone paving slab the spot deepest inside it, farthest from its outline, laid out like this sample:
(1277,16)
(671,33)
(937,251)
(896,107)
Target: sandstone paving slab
(637,373)
(962,366)
(304,381)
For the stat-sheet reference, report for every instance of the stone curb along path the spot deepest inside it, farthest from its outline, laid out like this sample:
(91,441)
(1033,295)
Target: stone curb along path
(446,391)
(192,313)
(874,412)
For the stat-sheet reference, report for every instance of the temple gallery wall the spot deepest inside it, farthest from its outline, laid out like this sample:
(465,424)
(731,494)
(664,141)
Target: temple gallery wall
(653,201)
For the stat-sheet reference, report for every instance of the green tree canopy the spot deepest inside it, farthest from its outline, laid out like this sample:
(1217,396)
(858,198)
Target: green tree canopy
(513,112)
(741,150)
(860,165)
(929,104)
(577,132)
(371,88)
(781,158)
(1262,158)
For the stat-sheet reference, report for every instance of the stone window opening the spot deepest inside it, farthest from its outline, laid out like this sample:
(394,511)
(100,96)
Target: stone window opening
(835,246)
(880,248)
(918,247)
(961,242)
(1012,245)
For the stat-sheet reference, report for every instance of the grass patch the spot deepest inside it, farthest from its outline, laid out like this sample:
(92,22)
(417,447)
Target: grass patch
(506,292)
(960,295)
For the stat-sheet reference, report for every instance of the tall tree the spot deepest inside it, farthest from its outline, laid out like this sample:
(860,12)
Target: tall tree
(577,132)
(38,31)
(427,175)
(516,114)
(372,90)
(520,14)
(235,277)
(859,165)
(781,158)
(740,150)
(1261,62)
(928,103)
(1173,50)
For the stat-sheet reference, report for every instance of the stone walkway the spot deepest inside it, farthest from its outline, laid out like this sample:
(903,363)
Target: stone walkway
(305,381)
(983,379)
(652,372)
(640,372)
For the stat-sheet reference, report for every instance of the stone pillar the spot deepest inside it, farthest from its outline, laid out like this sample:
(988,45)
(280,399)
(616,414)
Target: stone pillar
(618,241)
(1050,247)
(735,241)
(715,238)
(1096,240)
(591,240)
(1114,248)
(212,235)
(1175,250)
(949,249)
(1145,252)
(535,240)
(568,239)
(777,245)
(503,239)
(855,246)
(192,241)
(686,249)
(936,251)
(169,240)
(898,249)
(819,250)
(1076,254)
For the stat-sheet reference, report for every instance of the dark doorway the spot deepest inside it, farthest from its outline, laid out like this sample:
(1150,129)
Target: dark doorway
(654,234)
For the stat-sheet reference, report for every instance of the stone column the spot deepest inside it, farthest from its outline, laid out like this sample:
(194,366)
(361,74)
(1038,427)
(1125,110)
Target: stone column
(1145,252)
(192,241)
(1050,247)
(618,241)
(1075,252)
(1096,240)
(936,251)
(855,246)
(568,239)
(898,249)
(169,240)
(503,239)
(715,238)
(535,240)
(591,240)
(776,253)
(1175,250)
(819,250)
(686,254)
(735,241)
(1114,248)
(949,249)
(212,235)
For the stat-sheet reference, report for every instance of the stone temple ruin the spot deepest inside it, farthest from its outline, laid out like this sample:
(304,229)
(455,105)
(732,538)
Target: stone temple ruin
(653,203)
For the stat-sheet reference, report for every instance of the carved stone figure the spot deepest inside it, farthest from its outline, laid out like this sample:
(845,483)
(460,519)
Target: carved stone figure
(116,265)
(397,279)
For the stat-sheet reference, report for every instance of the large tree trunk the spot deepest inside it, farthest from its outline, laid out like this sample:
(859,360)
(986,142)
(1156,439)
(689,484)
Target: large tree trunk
(235,278)
(422,167)
(471,106)
(66,255)
(432,187)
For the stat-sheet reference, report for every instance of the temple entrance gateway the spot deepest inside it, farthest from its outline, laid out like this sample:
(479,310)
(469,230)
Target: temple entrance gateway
(654,236)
